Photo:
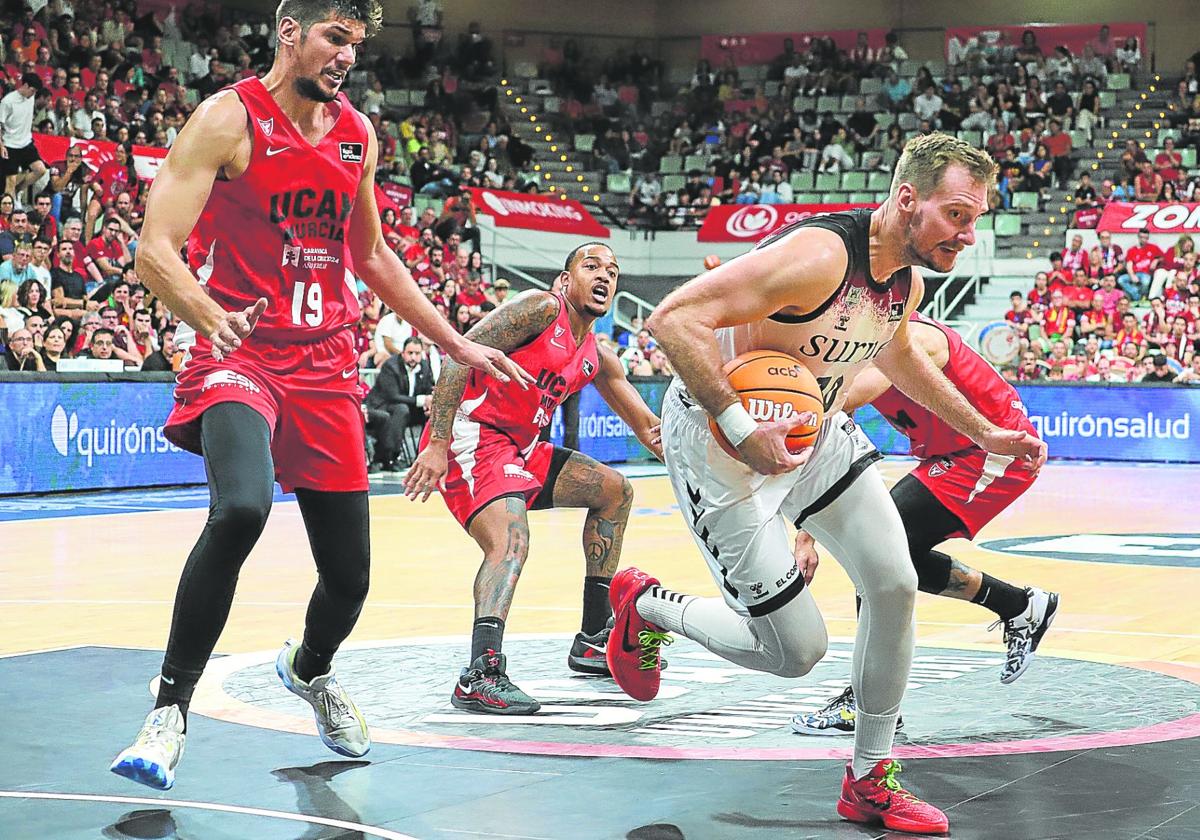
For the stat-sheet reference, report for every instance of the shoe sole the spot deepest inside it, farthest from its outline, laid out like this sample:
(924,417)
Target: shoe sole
(338,748)
(1035,640)
(148,773)
(850,811)
(483,708)
(596,667)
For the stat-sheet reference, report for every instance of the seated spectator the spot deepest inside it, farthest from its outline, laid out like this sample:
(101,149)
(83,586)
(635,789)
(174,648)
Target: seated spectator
(1074,256)
(1129,56)
(928,105)
(1078,295)
(1085,193)
(1160,372)
(1040,293)
(398,401)
(1169,162)
(1000,140)
(896,94)
(1173,260)
(1148,183)
(20,354)
(1190,375)
(54,347)
(1140,264)
(1129,331)
(108,251)
(163,357)
(1110,255)
(1058,320)
(1058,144)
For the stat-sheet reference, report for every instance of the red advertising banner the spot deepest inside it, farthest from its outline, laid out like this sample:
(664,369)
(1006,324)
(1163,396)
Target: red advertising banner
(534,211)
(1049,35)
(395,196)
(52,148)
(751,222)
(1120,217)
(765,47)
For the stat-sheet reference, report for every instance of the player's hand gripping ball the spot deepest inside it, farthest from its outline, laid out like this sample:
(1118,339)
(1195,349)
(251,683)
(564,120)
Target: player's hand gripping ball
(775,386)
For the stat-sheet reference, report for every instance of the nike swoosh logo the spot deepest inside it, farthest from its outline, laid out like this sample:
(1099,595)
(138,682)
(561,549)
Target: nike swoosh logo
(271,152)
(596,648)
(556,344)
(168,680)
(346,374)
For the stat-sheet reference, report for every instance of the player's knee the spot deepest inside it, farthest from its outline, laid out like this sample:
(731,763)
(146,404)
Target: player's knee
(894,583)
(243,515)
(620,492)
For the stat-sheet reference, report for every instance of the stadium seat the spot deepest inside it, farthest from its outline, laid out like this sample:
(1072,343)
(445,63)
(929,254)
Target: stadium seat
(416,98)
(834,197)
(771,89)
(618,182)
(985,222)
(1079,138)
(862,198)
(670,164)
(1007,224)
(848,102)
(585,142)
(884,120)
(881,197)
(870,87)
(827,181)
(852,181)
(908,121)
(1108,100)
(525,70)
(551,104)
(803,181)
(1118,81)
(807,198)
(879,181)
(1189,157)
(828,103)
(804,103)
(672,183)
(975,138)
(695,162)
(396,97)
(1025,201)
(1163,134)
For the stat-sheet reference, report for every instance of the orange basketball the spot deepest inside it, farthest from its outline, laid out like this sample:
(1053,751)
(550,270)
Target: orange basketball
(774,386)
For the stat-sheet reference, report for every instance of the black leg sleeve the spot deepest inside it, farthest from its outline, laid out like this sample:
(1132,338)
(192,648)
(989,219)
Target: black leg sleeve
(241,478)
(927,523)
(339,533)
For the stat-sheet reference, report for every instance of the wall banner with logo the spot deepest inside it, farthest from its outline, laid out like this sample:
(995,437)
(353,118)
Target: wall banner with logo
(88,436)
(52,148)
(1122,217)
(537,211)
(751,222)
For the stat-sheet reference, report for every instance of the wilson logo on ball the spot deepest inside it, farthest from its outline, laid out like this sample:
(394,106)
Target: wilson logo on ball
(765,411)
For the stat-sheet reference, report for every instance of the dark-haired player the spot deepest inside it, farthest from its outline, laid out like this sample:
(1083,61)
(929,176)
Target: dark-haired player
(271,186)
(954,491)
(481,448)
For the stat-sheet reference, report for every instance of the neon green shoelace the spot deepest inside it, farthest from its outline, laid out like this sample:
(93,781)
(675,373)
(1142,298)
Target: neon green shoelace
(650,641)
(889,781)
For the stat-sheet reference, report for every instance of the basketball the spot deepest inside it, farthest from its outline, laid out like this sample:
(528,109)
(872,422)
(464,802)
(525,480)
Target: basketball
(774,386)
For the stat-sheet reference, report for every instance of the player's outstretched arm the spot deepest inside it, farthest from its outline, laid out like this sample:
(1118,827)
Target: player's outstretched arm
(870,383)
(213,138)
(504,329)
(383,272)
(796,273)
(909,367)
(625,400)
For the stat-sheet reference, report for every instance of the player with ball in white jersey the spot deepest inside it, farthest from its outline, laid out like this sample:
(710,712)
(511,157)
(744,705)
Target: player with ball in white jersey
(835,292)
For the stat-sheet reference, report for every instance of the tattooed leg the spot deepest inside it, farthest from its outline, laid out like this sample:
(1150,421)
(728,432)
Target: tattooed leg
(964,582)
(502,531)
(608,496)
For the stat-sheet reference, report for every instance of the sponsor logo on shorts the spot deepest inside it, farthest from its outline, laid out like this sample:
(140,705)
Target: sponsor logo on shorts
(514,471)
(220,378)
(351,152)
(756,589)
(791,573)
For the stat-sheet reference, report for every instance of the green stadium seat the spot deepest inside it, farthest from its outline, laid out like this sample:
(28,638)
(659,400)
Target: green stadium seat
(852,181)
(884,120)
(416,98)
(803,181)
(1007,224)
(827,181)
(1025,201)
(828,103)
(975,138)
(862,198)
(618,182)
(807,198)
(670,164)
(870,87)
(672,183)
(834,197)
(881,197)
(1189,157)
(1118,81)
(1164,133)
(985,222)
(396,97)
(695,162)
(879,181)
(585,142)
(1108,100)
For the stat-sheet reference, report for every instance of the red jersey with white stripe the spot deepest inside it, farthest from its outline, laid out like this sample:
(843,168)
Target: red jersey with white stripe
(561,366)
(279,230)
(994,398)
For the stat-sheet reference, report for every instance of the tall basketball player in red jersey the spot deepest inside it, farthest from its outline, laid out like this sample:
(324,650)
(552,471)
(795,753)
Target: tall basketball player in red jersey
(481,448)
(271,185)
(954,491)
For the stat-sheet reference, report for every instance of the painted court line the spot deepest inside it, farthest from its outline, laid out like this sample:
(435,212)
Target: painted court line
(212,806)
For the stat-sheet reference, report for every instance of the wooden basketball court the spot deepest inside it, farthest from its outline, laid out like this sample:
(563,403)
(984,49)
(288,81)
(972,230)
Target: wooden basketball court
(1098,739)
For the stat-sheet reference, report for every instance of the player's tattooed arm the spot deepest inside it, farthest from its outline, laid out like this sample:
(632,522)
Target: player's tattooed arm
(505,328)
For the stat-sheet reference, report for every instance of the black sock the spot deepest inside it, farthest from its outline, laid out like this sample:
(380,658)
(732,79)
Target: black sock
(1004,599)
(308,664)
(487,634)
(175,688)
(596,607)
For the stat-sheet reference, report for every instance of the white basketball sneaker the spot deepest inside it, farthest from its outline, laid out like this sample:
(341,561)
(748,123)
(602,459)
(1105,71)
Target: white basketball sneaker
(153,756)
(1024,633)
(339,722)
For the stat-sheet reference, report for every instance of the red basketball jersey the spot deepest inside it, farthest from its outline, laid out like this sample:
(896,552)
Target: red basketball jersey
(279,230)
(561,366)
(931,437)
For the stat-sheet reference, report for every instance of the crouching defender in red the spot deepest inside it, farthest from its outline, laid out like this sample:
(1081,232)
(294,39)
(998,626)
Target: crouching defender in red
(955,490)
(481,448)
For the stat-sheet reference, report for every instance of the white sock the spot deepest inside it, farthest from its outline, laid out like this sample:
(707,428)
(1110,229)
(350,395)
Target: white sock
(663,607)
(873,737)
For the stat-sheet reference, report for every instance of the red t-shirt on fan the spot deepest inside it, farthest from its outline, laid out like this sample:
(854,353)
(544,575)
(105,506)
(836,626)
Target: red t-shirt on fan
(279,230)
(561,366)
(931,437)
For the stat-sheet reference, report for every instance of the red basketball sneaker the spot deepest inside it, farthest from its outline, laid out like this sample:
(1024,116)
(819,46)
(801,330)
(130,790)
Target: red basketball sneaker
(878,798)
(633,647)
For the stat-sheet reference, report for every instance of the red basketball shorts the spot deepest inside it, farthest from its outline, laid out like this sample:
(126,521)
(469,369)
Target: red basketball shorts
(308,393)
(485,464)
(974,485)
